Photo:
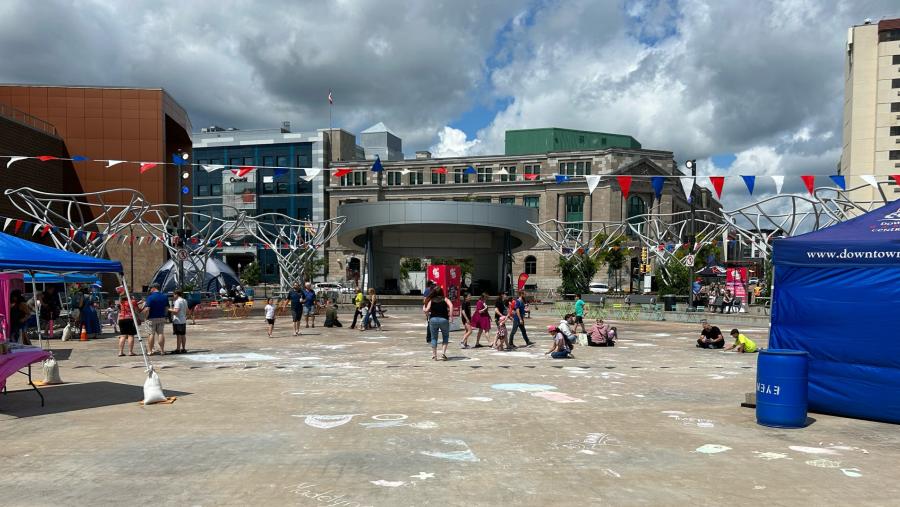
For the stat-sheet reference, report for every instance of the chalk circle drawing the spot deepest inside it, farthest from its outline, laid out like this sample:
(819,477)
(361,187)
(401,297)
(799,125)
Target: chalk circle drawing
(383,424)
(759,487)
(523,388)
(823,463)
(229,358)
(712,449)
(609,472)
(673,412)
(326,422)
(812,450)
(851,472)
(713,376)
(848,448)
(424,425)
(769,456)
(464,455)
(557,397)
(587,451)
(422,476)
(390,417)
(480,398)
(388,484)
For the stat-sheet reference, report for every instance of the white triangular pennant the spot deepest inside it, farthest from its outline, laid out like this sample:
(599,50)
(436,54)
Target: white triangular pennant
(227,243)
(311,174)
(6,223)
(13,160)
(503,171)
(110,163)
(34,229)
(868,178)
(140,240)
(211,167)
(687,184)
(592,180)
(779,182)
(405,172)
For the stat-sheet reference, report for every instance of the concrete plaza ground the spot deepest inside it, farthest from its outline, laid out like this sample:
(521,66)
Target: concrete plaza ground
(344,418)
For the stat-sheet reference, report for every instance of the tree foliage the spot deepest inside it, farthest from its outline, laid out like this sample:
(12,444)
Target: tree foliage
(614,256)
(576,273)
(674,278)
(410,264)
(313,267)
(250,274)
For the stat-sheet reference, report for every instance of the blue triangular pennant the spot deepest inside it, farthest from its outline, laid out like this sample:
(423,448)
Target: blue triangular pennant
(658,182)
(279,172)
(27,228)
(750,181)
(470,170)
(839,181)
(377,167)
(561,178)
(79,158)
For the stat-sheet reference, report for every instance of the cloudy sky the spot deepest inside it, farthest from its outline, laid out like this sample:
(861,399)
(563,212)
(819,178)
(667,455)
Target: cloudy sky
(747,87)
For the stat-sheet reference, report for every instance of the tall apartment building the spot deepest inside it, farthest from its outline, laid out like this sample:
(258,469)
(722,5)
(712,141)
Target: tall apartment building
(871,130)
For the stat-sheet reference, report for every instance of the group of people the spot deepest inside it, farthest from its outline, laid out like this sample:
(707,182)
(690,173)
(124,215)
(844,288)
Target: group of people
(366,310)
(154,309)
(304,304)
(711,338)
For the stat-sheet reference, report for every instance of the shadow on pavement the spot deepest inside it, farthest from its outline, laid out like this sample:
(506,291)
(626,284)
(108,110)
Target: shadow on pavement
(72,397)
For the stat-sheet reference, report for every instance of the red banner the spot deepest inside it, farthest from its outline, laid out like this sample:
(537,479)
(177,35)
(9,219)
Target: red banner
(522,279)
(450,279)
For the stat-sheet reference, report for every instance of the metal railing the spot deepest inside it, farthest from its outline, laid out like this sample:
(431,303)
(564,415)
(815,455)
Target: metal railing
(27,120)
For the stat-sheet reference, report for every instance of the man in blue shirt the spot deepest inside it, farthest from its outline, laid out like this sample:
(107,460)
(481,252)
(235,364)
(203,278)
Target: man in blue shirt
(296,296)
(157,305)
(519,321)
(309,301)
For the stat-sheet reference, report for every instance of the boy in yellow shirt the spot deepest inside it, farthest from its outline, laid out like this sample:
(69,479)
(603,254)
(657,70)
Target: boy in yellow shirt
(741,343)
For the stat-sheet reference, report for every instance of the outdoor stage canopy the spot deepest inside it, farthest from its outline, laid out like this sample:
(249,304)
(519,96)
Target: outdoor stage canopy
(24,256)
(837,297)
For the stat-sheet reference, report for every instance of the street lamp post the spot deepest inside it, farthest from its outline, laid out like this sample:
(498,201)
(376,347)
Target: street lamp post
(180,158)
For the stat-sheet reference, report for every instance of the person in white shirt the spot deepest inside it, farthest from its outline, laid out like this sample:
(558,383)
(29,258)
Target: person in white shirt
(270,316)
(179,322)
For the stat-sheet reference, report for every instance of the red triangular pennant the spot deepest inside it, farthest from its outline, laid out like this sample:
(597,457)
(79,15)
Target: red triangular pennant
(810,181)
(71,233)
(147,166)
(44,158)
(18,226)
(717,182)
(243,171)
(341,172)
(896,178)
(531,177)
(91,236)
(440,170)
(45,229)
(624,185)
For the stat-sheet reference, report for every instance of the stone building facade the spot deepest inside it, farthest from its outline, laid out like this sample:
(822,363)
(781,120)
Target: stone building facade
(523,180)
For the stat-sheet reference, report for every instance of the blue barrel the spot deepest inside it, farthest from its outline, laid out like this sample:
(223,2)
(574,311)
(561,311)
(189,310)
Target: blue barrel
(781,388)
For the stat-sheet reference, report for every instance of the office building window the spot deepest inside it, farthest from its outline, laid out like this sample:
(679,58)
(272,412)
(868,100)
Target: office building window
(215,189)
(416,178)
(574,211)
(637,208)
(249,161)
(438,178)
(895,107)
(394,178)
(482,199)
(303,186)
(459,176)
(354,179)
(304,160)
(895,83)
(889,35)
(268,161)
(895,59)
(282,161)
(530,265)
(202,190)
(533,169)
(895,131)
(235,162)
(508,200)
(894,155)
(531,201)
(579,168)
(304,214)
(485,174)
(512,173)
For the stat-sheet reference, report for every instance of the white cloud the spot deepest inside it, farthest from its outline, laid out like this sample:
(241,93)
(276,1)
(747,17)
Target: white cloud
(453,143)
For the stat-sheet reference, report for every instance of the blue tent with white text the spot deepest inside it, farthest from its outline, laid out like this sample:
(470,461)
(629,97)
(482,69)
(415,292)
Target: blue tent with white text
(837,297)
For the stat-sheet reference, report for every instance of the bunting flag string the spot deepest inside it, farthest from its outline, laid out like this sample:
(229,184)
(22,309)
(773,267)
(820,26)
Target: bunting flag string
(658,182)
(750,181)
(562,178)
(146,166)
(809,181)
(624,185)
(592,182)
(871,180)
(717,182)
(779,182)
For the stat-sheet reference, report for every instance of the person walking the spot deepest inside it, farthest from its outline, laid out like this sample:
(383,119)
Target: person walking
(429,286)
(309,304)
(579,314)
(481,320)
(157,305)
(500,307)
(179,322)
(296,297)
(373,310)
(358,302)
(270,317)
(466,316)
(518,315)
(440,312)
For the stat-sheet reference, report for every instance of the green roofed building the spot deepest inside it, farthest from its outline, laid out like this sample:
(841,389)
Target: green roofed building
(546,140)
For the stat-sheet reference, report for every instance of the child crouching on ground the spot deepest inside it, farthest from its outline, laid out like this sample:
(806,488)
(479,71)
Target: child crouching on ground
(560,348)
(270,317)
(502,334)
(741,343)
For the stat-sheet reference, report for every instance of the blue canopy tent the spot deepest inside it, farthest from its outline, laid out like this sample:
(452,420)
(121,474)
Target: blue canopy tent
(836,296)
(21,256)
(68,278)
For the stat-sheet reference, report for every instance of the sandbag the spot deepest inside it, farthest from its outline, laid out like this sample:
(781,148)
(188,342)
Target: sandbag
(51,371)
(153,392)
(583,339)
(67,333)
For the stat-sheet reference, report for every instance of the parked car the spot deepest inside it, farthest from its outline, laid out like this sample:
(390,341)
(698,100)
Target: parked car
(329,287)
(753,281)
(599,288)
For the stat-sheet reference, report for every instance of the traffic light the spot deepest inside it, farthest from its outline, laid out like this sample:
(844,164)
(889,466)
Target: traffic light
(644,255)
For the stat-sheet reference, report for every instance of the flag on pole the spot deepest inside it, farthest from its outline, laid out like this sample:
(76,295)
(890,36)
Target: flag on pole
(330,97)
(377,167)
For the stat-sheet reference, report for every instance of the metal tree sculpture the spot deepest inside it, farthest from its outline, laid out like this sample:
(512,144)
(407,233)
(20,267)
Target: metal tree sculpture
(295,242)
(206,231)
(88,212)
